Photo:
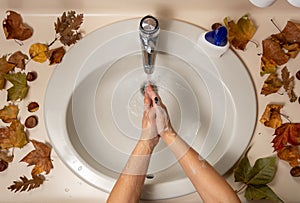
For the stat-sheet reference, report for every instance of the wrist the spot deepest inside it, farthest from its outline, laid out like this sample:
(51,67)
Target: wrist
(144,147)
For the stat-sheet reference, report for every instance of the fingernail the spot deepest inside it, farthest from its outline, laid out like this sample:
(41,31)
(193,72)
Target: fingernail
(156,100)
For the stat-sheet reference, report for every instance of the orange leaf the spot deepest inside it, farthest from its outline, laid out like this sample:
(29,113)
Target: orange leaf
(40,157)
(13,136)
(286,133)
(290,154)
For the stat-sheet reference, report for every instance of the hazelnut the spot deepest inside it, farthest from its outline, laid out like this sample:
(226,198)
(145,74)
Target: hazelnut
(31,121)
(33,107)
(295,171)
(3,165)
(31,76)
(298,75)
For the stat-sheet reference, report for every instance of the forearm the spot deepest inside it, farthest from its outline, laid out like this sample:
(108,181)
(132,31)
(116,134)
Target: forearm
(211,186)
(130,183)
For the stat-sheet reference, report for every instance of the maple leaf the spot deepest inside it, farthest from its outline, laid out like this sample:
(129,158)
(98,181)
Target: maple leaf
(18,58)
(286,133)
(273,51)
(5,67)
(271,116)
(26,184)
(9,113)
(14,28)
(271,85)
(291,154)
(38,52)
(67,26)
(40,157)
(19,89)
(267,66)
(288,84)
(240,33)
(55,55)
(13,136)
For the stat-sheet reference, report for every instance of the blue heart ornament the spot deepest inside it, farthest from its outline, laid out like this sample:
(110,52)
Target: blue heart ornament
(218,36)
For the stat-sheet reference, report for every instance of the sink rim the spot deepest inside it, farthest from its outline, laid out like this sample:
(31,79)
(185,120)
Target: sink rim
(75,161)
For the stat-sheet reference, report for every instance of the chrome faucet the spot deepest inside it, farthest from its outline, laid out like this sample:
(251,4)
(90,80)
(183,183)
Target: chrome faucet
(149,30)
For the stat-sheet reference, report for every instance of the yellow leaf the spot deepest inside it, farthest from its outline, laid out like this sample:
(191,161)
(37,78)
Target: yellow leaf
(271,116)
(39,52)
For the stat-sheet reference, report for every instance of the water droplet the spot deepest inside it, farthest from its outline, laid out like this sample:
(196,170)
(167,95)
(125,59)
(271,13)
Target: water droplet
(79,168)
(67,189)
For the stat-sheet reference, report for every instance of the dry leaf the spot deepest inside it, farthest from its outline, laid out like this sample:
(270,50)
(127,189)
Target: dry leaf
(288,84)
(240,33)
(9,113)
(286,133)
(19,89)
(26,184)
(67,26)
(5,156)
(291,154)
(271,85)
(13,136)
(5,67)
(273,51)
(38,52)
(267,66)
(55,55)
(290,33)
(18,58)
(40,157)
(271,116)
(14,28)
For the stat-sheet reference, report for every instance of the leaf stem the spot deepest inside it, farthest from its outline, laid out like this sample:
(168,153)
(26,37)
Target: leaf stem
(275,25)
(55,39)
(243,187)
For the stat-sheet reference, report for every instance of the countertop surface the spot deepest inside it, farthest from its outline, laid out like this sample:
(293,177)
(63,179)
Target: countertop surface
(61,184)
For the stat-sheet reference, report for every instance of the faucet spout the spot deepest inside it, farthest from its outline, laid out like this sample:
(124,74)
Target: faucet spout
(149,30)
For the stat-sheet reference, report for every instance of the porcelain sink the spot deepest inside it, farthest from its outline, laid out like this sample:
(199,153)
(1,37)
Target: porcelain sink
(94,105)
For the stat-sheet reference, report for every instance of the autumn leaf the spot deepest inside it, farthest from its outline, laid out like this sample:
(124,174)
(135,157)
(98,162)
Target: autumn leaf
(55,55)
(271,116)
(13,136)
(240,33)
(267,66)
(271,85)
(291,154)
(18,58)
(288,84)
(286,133)
(5,156)
(5,67)
(9,113)
(67,26)
(26,184)
(14,28)
(19,89)
(38,52)
(40,157)
(273,51)
(290,33)
(292,49)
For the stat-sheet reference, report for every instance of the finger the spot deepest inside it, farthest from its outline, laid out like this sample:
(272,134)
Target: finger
(156,100)
(147,101)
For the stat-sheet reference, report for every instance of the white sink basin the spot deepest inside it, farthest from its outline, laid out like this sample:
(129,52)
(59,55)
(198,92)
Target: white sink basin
(93,105)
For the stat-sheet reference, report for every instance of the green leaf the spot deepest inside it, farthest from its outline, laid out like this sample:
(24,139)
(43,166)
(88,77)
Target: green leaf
(263,171)
(258,192)
(19,89)
(242,171)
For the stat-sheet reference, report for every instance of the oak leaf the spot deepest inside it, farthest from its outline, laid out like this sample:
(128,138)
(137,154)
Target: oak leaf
(291,154)
(55,55)
(240,33)
(9,113)
(15,28)
(273,51)
(40,157)
(18,58)
(67,26)
(286,133)
(38,52)
(19,89)
(5,67)
(290,33)
(271,116)
(288,84)
(271,85)
(13,136)
(26,184)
